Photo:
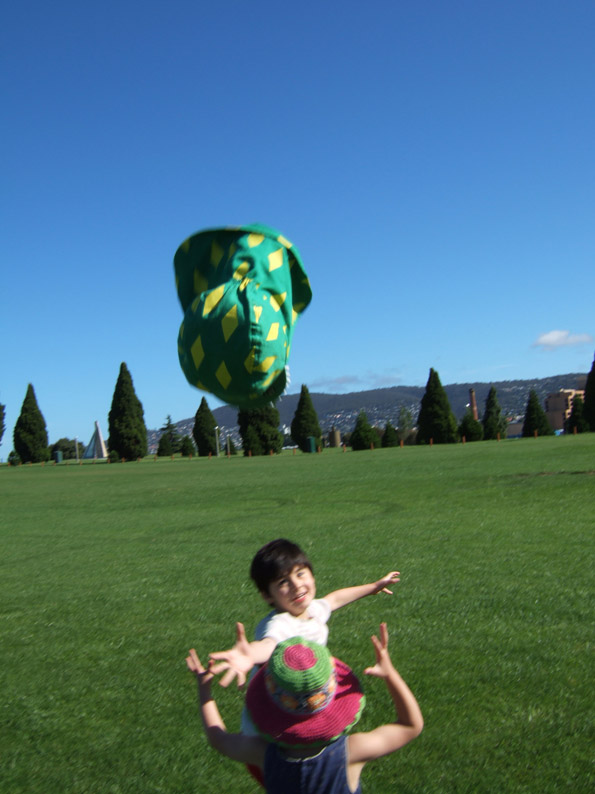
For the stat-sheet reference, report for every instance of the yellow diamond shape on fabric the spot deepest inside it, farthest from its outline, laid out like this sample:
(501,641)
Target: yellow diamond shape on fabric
(216,253)
(223,375)
(276,259)
(280,297)
(257,312)
(284,241)
(230,322)
(274,305)
(200,282)
(241,271)
(197,352)
(265,365)
(244,284)
(249,362)
(201,386)
(255,239)
(270,378)
(273,332)
(213,299)
(294,316)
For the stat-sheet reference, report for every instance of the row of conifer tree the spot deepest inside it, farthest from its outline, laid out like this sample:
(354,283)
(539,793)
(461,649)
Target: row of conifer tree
(259,428)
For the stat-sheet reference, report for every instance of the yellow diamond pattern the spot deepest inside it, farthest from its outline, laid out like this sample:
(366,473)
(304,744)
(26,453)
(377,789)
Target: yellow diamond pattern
(280,297)
(255,239)
(223,375)
(230,322)
(244,284)
(197,352)
(216,253)
(274,305)
(249,362)
(270,379)
(257,312)
(265,365)
(284,241)
(241,271)
(213,299)
(200,282)
(276,259)
(273,332)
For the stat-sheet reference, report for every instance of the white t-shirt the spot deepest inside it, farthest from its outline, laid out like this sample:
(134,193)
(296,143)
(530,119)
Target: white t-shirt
(280,626)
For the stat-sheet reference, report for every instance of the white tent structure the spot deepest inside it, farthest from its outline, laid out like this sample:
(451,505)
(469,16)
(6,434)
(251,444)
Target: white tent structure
(96,447)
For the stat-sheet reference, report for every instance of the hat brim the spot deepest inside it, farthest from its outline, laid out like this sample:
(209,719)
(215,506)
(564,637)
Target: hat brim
(323,727)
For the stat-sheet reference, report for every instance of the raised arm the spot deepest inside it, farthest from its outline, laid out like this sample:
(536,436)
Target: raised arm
(247,749)
(340,598)
(239,660)
(409,723)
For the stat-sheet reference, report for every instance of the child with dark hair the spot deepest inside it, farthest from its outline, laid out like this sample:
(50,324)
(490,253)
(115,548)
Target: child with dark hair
(284,576)
(304,703)
(285,579)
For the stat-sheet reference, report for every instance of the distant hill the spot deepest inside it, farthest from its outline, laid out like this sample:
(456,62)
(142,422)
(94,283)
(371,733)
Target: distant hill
(382,405)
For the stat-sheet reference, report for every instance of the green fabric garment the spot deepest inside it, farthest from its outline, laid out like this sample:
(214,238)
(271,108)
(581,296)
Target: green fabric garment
(242,290)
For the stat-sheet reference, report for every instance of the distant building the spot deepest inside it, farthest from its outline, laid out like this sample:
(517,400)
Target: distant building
(558,406)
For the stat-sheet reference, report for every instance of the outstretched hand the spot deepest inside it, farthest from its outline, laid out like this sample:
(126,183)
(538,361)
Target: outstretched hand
(236,662)
(383,661)
(193,663)
(382,585)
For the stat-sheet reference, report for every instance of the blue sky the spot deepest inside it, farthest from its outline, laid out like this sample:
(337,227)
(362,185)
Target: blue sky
(433,161)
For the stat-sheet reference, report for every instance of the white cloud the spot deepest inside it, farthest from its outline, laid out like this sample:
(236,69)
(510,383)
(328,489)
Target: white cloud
(555,339)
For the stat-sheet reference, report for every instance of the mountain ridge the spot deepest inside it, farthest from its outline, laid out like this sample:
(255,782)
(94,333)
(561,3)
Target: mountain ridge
(381,405)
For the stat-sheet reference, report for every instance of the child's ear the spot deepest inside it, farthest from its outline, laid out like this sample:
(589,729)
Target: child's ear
(267,597)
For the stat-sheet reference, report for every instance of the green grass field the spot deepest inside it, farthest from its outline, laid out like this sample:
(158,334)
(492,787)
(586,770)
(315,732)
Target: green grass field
(111,572)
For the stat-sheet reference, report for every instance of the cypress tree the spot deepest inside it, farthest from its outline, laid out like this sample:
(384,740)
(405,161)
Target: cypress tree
(577,417)
(204,432)
(471,429)
(164,448)
(187,447)
(30,434)
(589,401)
(363,435)
(390,437)
(2,425)
(436,420)
(535,418)
(259,429)
(126,420)
(305,422)
(175,439)
(493,421)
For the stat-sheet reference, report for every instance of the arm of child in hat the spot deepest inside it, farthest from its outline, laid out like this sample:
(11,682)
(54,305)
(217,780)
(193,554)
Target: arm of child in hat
(340,598)
(409,723)
(237,746)
(239,660)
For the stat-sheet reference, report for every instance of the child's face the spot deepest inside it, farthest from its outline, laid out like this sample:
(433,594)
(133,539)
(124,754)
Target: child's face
(292,592)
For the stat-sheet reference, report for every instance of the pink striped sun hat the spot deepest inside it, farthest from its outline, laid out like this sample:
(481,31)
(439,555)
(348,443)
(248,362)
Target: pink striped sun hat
(303,696)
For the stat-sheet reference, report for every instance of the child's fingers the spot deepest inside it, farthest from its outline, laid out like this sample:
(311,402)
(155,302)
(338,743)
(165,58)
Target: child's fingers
(384,635)
(218,668)
(193,662)
(228,677)
(386,590)
(240,632)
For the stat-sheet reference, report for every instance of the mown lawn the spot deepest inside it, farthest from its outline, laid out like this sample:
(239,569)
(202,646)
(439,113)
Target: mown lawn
(109,573)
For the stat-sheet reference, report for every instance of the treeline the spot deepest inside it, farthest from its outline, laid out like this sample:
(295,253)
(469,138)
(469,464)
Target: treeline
(259,428)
